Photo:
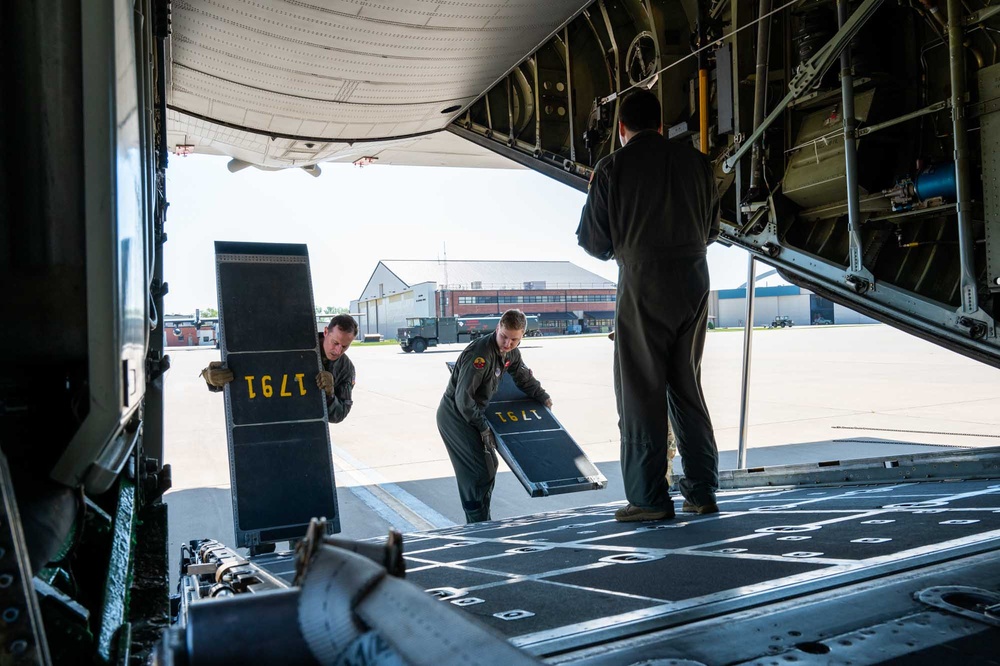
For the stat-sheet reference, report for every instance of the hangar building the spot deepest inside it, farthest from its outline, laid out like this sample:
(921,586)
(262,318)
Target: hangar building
(776,297)
(565,297)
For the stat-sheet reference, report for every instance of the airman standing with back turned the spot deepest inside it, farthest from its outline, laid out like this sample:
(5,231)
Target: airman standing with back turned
(461,416)
(653,206)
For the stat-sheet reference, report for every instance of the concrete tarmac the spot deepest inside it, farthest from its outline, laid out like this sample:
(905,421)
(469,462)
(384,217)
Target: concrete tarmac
(817,393)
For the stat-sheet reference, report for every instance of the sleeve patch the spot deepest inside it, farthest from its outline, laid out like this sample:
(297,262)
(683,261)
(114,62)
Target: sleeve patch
(479,363)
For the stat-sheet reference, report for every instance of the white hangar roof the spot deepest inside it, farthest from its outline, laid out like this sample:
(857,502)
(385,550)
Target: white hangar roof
(485,275)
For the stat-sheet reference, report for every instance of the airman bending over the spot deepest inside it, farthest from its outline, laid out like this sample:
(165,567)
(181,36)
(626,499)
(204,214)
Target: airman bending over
(461,416)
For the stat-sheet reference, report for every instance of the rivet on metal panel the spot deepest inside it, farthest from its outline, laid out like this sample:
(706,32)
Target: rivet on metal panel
(468,601)
(802,553)
(789,528)
(529,549)
(445,593)
(630,558)
(514,615)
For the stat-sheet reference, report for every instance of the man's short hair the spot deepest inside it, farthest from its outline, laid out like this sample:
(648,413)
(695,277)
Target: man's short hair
(640,110)
(514,320)
(346,323)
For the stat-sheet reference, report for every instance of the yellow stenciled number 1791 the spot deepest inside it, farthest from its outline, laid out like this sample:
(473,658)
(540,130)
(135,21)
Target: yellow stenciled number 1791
(267,389)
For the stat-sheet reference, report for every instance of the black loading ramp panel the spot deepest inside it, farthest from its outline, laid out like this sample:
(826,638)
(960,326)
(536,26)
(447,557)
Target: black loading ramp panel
(280,463)
(536,447)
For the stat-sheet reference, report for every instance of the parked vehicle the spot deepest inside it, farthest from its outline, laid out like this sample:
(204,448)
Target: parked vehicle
(424,332)
(781,321)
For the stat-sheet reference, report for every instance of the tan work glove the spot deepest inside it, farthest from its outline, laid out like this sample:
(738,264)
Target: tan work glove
(489,440)
(217,376)
(324,380)
(548,402)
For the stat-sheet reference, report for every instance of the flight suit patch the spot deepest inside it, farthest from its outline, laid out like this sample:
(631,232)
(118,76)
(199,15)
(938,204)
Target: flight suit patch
(479,363)
(497,372)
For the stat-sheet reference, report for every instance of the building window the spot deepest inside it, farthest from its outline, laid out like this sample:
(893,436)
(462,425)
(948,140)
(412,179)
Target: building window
(591,298)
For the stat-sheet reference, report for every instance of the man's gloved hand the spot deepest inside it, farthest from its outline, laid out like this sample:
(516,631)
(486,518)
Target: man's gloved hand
(324,380)
(217,376)
(489,440)
(548,402)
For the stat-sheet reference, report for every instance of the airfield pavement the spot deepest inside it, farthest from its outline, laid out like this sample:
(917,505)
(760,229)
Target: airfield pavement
(816,393)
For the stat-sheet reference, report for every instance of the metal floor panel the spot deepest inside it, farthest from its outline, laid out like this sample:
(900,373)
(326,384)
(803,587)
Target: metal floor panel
(762,547)
(579,578)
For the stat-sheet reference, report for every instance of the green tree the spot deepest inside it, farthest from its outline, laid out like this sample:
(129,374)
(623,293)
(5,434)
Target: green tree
(210,313)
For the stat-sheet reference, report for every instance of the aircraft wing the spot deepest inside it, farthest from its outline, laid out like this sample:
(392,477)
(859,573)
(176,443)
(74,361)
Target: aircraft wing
(292,84)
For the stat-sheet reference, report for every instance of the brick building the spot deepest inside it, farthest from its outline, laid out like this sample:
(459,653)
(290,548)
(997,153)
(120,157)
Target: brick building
(565,297)
(190,331)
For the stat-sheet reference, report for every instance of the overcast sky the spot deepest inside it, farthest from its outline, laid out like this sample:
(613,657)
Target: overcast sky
(352,217)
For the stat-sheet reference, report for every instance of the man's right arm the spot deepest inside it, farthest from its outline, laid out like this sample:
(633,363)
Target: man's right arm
(594,232)
(216,376)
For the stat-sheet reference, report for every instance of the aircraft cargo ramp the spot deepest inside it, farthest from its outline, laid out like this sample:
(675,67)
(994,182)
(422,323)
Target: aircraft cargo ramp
(811,574)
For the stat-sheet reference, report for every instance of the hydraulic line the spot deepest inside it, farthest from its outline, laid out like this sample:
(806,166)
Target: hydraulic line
(760,91)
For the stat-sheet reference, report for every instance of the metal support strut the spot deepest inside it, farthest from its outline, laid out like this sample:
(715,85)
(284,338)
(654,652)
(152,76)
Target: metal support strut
(760,91)
(956,56)
(741,459)
(850,150)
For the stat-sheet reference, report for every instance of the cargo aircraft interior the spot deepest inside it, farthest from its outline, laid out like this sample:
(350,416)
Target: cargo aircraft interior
(856,146)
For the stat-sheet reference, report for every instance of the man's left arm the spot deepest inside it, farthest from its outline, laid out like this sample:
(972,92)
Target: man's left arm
(594,232)
(525,380)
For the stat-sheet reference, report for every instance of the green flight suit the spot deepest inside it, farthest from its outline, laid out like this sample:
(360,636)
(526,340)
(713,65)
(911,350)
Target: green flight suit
(338,405)
(461,416)
(653,206)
